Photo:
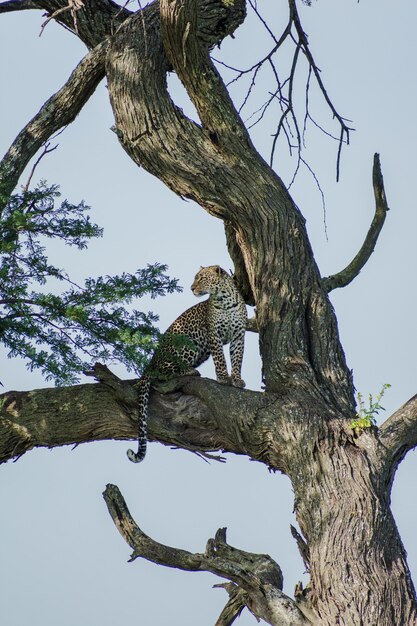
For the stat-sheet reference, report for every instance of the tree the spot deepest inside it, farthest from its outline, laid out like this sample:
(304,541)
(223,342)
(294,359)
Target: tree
(303,420)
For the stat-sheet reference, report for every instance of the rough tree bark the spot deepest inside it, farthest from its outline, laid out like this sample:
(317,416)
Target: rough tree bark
(300,424)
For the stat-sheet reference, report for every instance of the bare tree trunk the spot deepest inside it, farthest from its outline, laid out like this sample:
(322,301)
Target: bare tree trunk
(300,425)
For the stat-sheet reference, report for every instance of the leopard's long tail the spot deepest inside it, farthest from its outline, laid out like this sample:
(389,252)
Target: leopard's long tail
(143,388)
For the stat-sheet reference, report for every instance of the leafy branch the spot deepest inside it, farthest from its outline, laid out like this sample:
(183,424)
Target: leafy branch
(62,333)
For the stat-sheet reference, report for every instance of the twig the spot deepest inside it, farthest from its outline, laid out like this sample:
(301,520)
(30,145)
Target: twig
(73,6)
(46,150)
(116,16)
(288,119)
(302,38)
(323,200)
(288,111)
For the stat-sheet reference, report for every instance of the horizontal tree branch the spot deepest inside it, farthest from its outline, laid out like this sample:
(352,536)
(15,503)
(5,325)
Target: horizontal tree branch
(60,110)
(257,574)
(346,276)
(192,413)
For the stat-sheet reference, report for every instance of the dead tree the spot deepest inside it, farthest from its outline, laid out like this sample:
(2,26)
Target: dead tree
(301,423)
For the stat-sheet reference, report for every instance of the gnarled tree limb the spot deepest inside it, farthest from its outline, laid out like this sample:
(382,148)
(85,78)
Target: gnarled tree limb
(193,413)
(343,278)
(257,574)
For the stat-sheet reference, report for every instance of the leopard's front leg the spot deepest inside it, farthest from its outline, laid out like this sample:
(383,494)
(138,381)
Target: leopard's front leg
(237,346)
(216,350)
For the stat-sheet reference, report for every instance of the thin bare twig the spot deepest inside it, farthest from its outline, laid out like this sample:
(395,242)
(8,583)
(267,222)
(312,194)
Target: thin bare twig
(116,16)
(302,38)
(288,111)
(288,123)
(73,6)
(46,150)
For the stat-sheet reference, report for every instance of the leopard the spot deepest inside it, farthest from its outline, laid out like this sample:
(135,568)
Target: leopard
(201,331)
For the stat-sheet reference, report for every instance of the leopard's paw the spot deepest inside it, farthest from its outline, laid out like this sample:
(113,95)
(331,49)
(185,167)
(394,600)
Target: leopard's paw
(238,382)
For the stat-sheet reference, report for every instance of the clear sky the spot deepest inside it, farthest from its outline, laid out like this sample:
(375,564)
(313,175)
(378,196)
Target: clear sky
(61,558)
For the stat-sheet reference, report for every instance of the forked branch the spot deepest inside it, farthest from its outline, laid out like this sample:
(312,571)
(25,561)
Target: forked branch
(343,278)
(257,575)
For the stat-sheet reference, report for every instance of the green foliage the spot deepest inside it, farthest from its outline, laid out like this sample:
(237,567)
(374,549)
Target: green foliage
(366,415)
(171,347)
(62,334)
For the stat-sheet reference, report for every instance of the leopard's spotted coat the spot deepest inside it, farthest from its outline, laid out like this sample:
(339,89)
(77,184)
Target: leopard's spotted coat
(200,331)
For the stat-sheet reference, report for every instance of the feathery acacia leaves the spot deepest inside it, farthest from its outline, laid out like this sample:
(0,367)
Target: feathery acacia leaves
(61,333)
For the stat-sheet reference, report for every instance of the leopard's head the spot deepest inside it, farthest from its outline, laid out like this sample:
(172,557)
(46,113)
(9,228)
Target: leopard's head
(209,280)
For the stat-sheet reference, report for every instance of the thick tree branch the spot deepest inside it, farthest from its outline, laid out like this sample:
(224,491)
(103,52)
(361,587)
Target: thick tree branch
(343,278)
(257,574)
(193,413)
(192,63)
(17,5)
(93,22)
(60,110)
(154,132)
(203,416)
(398,434)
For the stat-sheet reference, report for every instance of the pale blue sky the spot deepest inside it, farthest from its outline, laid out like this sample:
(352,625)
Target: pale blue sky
(61,558)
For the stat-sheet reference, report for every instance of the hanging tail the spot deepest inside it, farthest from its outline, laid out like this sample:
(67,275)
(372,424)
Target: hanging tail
(143,388)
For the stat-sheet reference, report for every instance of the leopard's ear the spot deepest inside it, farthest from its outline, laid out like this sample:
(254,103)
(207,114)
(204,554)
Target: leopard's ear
(220,271)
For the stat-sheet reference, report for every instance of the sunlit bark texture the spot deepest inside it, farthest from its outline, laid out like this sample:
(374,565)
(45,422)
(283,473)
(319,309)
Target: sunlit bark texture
(300,424)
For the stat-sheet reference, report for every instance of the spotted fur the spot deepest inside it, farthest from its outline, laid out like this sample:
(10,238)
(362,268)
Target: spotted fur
(198,332)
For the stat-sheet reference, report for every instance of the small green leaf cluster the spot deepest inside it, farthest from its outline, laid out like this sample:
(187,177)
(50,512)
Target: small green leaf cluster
(61,334)
(366,415)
